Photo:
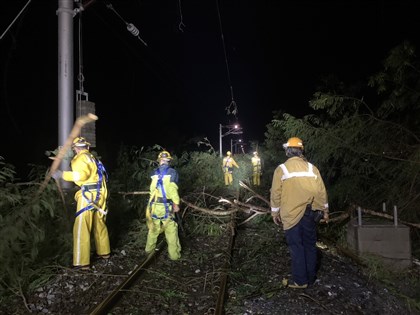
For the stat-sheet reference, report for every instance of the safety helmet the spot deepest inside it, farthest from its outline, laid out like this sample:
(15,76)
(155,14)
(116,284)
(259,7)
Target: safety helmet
(293,142)
(165,156)
(228,153)
(80,142)
(255,153)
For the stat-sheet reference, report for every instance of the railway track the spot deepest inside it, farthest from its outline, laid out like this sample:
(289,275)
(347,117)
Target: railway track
(135,294)
(237,272)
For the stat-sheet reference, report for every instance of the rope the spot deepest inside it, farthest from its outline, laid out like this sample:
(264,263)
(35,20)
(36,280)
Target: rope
(232,108)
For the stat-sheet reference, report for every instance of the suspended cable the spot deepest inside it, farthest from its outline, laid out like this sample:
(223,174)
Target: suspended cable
(232,108)
(82,97)
(27,3)
(130,26)
(80,76)
(181,24)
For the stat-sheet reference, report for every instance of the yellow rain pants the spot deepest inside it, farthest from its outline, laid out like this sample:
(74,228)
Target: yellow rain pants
(89,220)
(167,226)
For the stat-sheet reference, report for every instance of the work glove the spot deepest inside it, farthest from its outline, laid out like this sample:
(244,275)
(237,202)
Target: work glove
(58,174)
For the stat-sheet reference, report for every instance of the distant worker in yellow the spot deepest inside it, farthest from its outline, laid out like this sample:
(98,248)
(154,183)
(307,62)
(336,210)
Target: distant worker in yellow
(256,169)
(227,167)
(163,203)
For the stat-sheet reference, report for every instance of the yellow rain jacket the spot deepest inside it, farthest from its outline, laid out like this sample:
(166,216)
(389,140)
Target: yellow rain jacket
(256,170)
(295,184)
(159,211)
(227,167)
(91,207)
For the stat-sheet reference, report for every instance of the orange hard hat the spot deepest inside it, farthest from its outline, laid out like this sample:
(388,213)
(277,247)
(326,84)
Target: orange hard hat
(293,142)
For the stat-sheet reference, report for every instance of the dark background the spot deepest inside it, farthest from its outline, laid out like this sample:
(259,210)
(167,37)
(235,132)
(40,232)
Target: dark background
(179,86)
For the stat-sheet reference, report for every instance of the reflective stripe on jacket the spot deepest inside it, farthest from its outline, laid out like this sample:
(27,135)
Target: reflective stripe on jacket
(295,184)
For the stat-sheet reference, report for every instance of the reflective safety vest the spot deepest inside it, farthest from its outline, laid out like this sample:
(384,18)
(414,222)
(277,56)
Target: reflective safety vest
(287,175)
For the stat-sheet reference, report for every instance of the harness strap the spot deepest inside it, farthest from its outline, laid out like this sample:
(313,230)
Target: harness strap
(160,200)
(86,188)
(164,200)
(89,207)
(226,167)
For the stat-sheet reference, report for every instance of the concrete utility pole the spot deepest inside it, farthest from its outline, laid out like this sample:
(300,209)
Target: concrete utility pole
(65,13)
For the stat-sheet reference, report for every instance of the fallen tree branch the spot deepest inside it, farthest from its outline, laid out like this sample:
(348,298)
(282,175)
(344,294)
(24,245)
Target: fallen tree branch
(256,195)
(134,193)
(209,211)
(253,208)
(249,218)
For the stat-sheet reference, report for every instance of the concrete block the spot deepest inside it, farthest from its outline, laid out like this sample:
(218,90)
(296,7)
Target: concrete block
(389,242)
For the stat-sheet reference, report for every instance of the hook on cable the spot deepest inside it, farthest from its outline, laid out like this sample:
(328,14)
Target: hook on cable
(181,26)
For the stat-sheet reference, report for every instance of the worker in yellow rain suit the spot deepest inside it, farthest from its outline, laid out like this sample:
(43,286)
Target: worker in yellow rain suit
(90,175)
(163,203)
(256,169)
(227,167)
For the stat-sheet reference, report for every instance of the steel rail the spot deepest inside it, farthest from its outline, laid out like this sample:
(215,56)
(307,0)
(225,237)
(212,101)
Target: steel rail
(108,303)
(111,300)
(220,304)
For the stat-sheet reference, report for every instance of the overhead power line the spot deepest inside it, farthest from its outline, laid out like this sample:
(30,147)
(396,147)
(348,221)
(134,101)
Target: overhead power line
(21,11)
(232,108)
(130,26)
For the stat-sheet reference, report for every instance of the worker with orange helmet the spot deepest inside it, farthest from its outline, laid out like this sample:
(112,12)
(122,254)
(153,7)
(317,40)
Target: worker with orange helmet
(163,204)
(88,172)
(227,168)
(299,201)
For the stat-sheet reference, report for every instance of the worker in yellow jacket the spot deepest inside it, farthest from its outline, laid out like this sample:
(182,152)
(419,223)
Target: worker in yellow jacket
(90,175)
(227,168)
(163,204)
(299,201)
(256,169)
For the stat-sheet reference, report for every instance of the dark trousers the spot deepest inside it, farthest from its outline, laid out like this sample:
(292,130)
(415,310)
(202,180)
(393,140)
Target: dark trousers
(301,240)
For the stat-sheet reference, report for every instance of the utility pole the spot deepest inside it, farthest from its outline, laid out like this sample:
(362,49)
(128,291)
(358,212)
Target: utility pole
(234,129)
(65,13)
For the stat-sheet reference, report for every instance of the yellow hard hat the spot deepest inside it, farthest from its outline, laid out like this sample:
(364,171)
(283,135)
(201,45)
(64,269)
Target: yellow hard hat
(164,155)
(228,153)
(80,142)
(293,142)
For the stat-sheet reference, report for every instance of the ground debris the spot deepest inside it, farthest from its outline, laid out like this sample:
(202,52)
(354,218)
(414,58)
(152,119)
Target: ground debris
(259,263)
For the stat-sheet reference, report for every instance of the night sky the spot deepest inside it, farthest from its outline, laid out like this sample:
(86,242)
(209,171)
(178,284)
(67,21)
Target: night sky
(178,88)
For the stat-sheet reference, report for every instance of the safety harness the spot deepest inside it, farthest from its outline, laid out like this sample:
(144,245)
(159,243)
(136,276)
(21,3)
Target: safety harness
(227,168)
(257,165)
(287,175)
(155,199)
(103,175)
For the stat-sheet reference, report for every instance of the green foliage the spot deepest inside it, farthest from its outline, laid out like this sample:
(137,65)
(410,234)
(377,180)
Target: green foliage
(205,225)
(367,153)
(198,170)
(28,222)
(9,195)
(133,175)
